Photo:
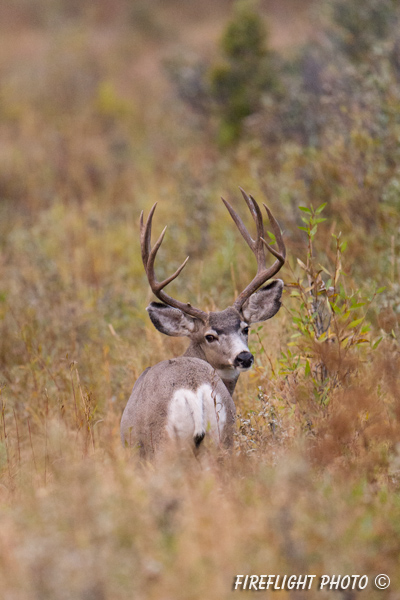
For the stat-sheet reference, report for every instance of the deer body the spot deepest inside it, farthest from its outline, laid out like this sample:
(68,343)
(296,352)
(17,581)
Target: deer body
(191,402)
(186,398)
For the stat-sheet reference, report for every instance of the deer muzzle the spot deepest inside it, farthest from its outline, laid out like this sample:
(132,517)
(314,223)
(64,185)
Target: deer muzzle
(244,360)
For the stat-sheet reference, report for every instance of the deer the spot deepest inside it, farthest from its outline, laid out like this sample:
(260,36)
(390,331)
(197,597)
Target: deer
(186,399)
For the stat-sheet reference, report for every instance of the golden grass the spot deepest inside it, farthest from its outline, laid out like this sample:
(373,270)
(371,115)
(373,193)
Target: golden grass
(308,488)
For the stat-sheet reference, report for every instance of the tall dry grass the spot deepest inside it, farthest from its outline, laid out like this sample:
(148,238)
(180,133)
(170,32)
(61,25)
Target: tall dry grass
(91,134)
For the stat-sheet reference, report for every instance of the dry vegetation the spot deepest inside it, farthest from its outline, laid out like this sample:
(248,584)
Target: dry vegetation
(91,132)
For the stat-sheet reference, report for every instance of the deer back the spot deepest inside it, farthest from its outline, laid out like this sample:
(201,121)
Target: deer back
(178,401)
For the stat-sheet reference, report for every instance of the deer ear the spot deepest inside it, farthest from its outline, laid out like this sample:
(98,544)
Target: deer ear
(264,303)
(170,321)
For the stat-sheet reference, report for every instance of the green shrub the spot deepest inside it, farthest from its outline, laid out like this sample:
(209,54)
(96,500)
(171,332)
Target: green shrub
(245,72)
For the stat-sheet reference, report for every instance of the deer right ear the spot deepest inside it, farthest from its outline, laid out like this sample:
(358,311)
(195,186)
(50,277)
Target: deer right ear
(264,303)
(170,321)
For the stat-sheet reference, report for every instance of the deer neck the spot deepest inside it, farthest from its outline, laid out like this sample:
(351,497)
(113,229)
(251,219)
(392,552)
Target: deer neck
(229,381)
(228,377)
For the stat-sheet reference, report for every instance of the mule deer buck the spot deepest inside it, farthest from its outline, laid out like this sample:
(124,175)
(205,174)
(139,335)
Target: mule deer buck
(187,398)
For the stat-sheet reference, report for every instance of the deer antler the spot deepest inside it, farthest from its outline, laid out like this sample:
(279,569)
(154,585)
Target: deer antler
(258,246)
(149,256)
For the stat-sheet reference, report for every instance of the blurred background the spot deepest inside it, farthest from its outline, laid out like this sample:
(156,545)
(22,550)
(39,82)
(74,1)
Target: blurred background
(107,107)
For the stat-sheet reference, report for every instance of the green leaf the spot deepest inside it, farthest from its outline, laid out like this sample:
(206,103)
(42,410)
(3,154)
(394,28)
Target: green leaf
(376,344)
(305,209)
(380,290)
(302,265)
(355,323)
(321,208)
(307,370)
(324,270)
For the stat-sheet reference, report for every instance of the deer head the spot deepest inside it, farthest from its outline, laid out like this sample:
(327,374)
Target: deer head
(220,338)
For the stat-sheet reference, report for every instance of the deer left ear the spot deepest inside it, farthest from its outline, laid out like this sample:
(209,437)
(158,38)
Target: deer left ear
(264,303)
(169,320)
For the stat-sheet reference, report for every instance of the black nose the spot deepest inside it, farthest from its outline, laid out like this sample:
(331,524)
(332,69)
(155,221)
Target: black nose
(244,360)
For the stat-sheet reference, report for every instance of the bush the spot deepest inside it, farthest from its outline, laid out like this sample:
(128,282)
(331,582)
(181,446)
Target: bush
(245,74)
(233,87)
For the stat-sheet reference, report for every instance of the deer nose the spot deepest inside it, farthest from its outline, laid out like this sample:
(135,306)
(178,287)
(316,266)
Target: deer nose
(244,360)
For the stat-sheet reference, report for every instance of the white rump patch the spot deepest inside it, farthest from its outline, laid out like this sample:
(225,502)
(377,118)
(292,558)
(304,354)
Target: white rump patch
(194,413)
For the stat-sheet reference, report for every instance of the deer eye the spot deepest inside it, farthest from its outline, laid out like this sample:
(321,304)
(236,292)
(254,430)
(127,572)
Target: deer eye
(211,338)
(246,330)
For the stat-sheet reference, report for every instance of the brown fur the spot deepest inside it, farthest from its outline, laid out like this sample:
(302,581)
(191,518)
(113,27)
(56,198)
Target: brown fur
(144,419)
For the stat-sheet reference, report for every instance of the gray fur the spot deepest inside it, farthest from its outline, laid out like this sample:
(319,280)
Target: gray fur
(170,321)
(189,398)
(263,304)
(208,364)
(143,422)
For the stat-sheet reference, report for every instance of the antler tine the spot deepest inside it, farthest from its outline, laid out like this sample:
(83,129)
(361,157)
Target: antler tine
(258,246)
(145,234)
(150,264)
(278,236)
(149,255)
(239,224)
(255,213)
